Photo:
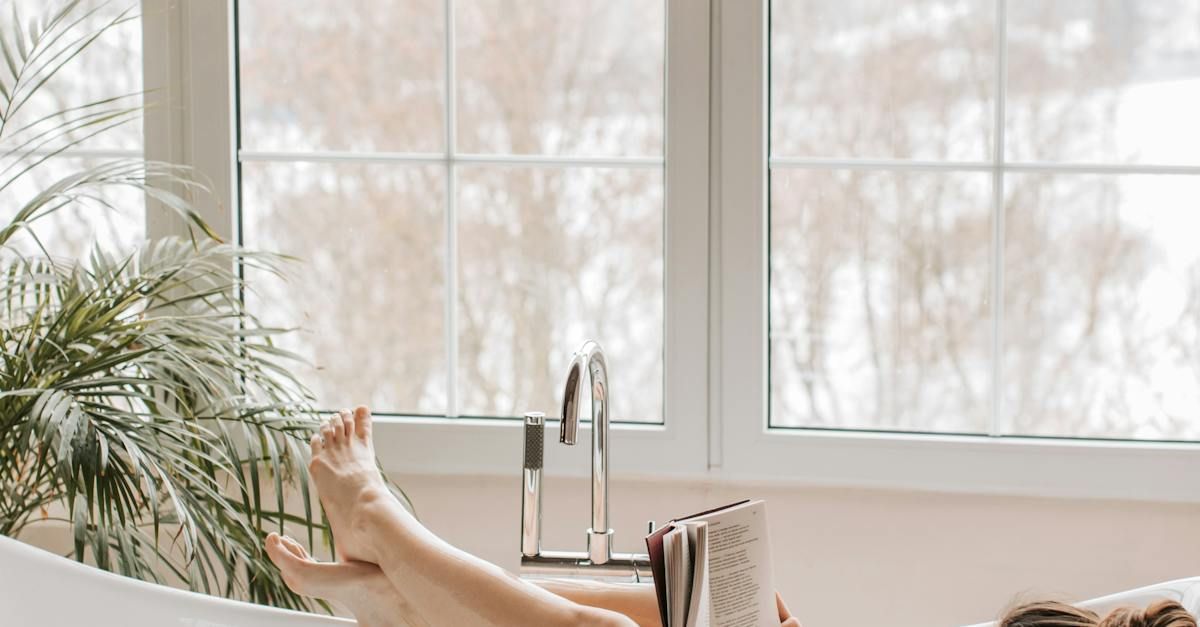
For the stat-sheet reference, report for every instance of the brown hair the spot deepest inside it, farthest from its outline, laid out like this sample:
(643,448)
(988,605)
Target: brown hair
(1055,614)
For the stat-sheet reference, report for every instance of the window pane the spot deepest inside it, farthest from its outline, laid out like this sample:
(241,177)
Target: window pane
(879,305)
(551,257)
(365,75)
(569,79)
(370,286)
(1116,81)
(882,79)
(1102,306)
(560,78)
(110,217)
(109,67)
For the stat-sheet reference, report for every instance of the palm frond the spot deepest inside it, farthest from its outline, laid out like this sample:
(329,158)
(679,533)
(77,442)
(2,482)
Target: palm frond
(156,180)
(138,392)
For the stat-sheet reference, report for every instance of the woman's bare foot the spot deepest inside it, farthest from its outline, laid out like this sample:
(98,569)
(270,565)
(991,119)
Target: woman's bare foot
(333,581)
(343,467)
(359,586)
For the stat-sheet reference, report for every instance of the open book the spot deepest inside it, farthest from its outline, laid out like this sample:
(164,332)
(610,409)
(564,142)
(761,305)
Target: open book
(714,569)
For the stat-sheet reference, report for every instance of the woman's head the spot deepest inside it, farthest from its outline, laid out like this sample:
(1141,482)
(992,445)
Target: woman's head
(1055,614)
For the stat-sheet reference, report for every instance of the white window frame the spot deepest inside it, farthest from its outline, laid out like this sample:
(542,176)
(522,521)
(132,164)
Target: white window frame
(750,450)
(715,318)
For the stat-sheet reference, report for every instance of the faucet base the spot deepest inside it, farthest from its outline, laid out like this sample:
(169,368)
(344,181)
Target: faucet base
(599,545)
(576,564)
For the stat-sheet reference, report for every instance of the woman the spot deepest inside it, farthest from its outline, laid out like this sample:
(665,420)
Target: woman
(394,571)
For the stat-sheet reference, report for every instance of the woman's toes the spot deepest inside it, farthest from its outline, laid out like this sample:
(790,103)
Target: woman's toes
(302,574)
(337,427)
(295,548)
(327,434)
(316,444)
(362,422)
(280,555)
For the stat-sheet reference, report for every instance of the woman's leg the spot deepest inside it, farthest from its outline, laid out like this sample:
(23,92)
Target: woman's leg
(359,586)
(363,589)
(444,585)
(637,601)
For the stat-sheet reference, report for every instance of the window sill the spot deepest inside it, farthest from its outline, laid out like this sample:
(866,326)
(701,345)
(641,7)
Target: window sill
(1083,469)
(471,446)
(1054,468)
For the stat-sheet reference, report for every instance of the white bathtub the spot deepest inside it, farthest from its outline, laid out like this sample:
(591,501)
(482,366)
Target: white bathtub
(40,589)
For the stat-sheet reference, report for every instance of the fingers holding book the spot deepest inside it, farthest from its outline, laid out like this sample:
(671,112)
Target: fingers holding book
(785,615)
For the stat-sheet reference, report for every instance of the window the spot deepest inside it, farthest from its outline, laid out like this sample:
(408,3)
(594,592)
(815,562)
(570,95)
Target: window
(981,217)
(474,188)
(844,243)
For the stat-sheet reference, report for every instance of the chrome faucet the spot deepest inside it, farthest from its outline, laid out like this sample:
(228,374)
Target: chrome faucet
(591,358)
(599,558)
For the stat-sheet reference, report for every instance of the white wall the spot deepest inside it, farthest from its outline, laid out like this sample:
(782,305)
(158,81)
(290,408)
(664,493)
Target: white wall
(855,558)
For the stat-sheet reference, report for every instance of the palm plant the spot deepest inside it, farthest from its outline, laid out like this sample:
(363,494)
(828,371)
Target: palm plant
(140,405)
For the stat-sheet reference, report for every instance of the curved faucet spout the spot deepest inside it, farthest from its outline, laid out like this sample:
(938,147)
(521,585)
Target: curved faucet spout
(590,358)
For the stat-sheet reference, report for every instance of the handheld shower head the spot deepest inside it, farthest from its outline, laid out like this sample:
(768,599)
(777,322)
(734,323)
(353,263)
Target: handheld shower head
(531,490)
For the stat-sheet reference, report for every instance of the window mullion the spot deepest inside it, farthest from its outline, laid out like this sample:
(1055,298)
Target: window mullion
(998,424)
(739,247)
(687,229)
(451,251)
(188,75)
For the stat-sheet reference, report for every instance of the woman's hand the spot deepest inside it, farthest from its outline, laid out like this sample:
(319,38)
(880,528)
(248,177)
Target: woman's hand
(785,615)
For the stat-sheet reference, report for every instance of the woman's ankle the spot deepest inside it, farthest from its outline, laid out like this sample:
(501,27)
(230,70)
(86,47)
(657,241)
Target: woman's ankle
(379,520)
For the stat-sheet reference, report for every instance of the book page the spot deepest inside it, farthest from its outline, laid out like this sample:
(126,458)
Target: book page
(679,576)
(742,593)
(697,614)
